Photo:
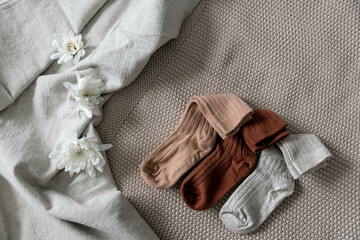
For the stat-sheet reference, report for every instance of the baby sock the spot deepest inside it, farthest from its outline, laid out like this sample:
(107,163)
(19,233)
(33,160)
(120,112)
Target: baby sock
(194,137)
(226,113)
(303,153)
(260,193)
(230,162)
(265,129)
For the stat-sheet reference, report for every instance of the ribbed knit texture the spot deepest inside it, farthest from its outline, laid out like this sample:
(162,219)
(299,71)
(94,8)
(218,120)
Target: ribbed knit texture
(255,199)
(226,113)
(194,137)
(304,153)
(230,162)
(298,58)
(265,129)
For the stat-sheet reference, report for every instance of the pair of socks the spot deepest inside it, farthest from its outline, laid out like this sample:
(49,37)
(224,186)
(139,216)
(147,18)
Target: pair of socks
(194,137)
(272,181)
(231,161)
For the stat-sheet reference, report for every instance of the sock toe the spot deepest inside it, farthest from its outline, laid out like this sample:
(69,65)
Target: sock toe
(235,221)
(191,197)
(150,175)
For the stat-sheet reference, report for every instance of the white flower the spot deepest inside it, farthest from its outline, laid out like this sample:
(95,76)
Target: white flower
(70,48)
(75,155)
(86,93)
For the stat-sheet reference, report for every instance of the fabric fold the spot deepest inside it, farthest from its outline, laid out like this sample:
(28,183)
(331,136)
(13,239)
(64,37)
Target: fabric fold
(226,113)
(265,129)
(304,153)
(5,98)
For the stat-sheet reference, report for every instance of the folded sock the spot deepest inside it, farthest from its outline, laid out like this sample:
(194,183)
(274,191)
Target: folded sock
(226,113)
(260,193)
(230,162)
(303,153)
(194,137)
(265,129)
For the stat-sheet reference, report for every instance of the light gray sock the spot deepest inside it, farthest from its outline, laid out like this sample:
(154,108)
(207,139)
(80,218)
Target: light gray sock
(303,153)
(261,192)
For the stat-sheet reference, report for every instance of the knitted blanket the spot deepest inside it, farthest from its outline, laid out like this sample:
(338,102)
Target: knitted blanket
(299,59)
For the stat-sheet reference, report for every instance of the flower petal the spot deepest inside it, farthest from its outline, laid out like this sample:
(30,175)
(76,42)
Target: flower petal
(81,52)
(88,113)
(99,168)
(76,59)
(75,155)
(68,58)
(55,56)
(96,111)
(104,147)
(95,161)
(61,59)
(61,165)
(70,48)
(90,170)
(68,85)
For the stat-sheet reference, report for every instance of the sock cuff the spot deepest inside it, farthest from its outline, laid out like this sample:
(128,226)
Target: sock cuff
(231,124)
(226,113)
(265,129)
(303,153)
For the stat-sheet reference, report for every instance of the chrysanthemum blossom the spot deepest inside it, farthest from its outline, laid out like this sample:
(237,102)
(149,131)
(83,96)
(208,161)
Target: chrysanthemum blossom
(75,155)
(86,94)
(70,48)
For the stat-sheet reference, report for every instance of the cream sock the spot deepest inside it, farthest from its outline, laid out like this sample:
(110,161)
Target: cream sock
(303,153)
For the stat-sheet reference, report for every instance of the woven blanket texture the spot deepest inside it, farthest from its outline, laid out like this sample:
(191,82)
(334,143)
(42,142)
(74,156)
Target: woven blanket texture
(298,58)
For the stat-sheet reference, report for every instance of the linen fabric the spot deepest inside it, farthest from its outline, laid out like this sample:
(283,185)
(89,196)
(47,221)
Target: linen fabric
(258,196)
(265,129)
(194,137)
(25,50)
(303,153)
(38,201)
(230,162)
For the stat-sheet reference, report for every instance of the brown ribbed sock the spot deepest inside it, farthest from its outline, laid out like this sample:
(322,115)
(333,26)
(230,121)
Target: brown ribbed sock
(194,137)
(265,129)
(229,163)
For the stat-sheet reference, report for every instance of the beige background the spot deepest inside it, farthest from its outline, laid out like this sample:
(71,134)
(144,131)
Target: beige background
(297,58)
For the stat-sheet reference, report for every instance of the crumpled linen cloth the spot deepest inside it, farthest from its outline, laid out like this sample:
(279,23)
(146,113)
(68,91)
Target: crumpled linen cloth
(38,201)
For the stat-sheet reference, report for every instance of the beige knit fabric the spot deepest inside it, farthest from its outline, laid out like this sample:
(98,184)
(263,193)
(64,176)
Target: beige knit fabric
(297,58)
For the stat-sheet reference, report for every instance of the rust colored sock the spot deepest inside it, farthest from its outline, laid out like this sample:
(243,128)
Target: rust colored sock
(194,137)
(229,163)
(265,129)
